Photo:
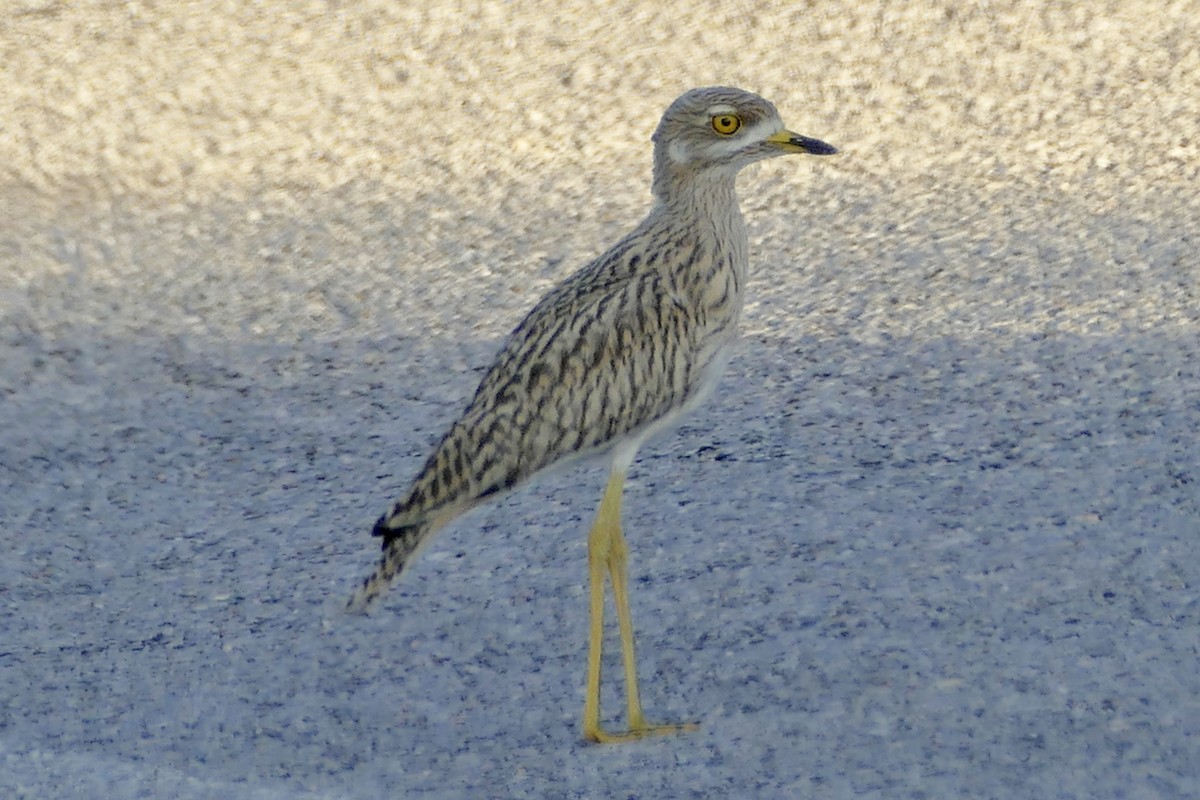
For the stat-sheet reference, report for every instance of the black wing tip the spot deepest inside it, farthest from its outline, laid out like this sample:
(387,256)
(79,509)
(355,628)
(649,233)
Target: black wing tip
(384,531)
(390,533)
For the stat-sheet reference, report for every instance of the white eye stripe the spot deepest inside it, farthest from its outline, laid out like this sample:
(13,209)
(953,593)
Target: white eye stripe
(679,152)
(748,134)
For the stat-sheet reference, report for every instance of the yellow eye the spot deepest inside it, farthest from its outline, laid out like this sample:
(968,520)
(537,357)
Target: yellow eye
(726,124)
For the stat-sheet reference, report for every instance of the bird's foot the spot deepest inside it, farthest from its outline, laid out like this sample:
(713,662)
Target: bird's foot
(637,730)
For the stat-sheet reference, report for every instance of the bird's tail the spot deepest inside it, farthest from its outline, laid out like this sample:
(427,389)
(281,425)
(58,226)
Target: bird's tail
(399,547)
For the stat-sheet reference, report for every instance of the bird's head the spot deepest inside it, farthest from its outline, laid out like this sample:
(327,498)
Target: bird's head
(717,131)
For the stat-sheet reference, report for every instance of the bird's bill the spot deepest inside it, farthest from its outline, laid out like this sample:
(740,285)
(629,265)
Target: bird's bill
(790,142)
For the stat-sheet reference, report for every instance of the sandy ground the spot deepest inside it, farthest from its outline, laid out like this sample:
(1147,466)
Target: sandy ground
(936,536)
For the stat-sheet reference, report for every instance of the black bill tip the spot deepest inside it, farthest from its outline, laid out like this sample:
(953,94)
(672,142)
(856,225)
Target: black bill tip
(813,146)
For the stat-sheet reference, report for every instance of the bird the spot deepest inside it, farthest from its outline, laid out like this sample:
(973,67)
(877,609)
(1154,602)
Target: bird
(614,354)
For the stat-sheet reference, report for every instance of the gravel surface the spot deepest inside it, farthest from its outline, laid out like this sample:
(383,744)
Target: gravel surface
(934,537)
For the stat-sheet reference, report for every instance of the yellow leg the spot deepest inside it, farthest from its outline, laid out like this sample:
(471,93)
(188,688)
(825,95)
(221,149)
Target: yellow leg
(608,555)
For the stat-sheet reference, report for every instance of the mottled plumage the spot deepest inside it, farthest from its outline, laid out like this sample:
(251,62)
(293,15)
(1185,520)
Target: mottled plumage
(621,348)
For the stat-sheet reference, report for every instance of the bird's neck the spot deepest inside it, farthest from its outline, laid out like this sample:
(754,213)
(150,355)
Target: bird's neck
(703,218)
(708,197)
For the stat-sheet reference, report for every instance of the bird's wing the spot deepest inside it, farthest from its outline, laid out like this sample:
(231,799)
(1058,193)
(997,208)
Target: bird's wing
(594,362)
